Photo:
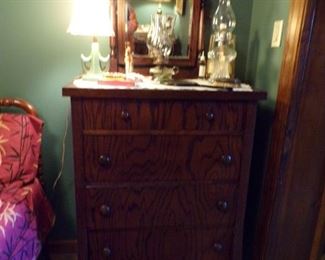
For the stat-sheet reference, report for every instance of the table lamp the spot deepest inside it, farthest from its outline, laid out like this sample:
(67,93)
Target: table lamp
(92,18)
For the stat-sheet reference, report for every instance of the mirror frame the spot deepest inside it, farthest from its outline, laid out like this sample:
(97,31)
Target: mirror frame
(142,64)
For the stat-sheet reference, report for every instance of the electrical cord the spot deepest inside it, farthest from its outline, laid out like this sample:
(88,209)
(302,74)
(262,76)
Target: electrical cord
(63,151)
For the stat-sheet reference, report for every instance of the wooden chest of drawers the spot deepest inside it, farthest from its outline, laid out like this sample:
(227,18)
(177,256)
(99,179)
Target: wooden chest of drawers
(161,175)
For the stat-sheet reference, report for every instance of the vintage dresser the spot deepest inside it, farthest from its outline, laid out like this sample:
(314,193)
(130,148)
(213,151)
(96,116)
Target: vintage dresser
(161,174)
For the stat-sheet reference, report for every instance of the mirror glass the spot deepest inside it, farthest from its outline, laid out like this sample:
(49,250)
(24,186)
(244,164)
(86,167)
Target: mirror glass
(138,18)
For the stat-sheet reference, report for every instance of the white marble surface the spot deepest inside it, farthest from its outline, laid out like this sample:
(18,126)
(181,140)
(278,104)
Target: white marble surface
(146,83)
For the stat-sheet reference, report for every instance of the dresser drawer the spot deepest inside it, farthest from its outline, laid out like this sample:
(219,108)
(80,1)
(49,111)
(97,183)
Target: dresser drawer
(161,244)
(162,115)
(161,158)
(161,205)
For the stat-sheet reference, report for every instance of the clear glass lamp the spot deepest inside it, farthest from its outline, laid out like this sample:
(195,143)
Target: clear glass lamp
(92,18)
(223,52)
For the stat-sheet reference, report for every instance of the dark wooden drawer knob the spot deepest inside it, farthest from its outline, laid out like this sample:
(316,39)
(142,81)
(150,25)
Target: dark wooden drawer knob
(125,115)
(104,160)
(226,159)
(222,205)
(218,247)
(107,251)
(209,116)
(105,210)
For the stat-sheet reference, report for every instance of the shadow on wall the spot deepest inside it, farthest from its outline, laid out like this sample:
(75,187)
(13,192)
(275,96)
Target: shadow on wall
(262,72)
(65,224)
(63,205)
(252,59)
(262,138)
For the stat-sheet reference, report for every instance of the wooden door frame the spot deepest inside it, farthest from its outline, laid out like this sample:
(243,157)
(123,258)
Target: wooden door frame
(296,51)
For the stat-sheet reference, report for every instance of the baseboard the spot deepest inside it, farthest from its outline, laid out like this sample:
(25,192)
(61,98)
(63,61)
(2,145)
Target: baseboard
(62,247)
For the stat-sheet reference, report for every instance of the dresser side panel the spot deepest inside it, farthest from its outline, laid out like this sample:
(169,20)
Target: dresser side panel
(248,138)
(80,195)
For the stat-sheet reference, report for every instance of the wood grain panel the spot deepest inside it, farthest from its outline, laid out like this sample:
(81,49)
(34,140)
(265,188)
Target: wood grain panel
(295,177)
(215,244)
(161,158)
(168,115)
(160,243)
(161,205)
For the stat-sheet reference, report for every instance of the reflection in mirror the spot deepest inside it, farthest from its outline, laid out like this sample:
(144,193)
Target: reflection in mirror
(133,23)
(139,18)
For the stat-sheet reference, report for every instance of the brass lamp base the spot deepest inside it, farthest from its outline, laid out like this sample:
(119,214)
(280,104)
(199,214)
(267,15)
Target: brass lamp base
(163,74)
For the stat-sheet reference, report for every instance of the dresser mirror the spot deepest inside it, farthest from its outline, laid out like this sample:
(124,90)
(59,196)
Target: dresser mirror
(187,32)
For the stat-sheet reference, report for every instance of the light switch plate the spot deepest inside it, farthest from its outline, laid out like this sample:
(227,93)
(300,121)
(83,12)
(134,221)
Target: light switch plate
(277,34)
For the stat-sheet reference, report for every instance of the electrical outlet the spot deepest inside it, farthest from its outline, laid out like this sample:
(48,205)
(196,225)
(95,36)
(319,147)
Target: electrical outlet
(277,34)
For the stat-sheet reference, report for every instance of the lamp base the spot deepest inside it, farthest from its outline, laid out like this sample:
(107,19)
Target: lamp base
(92,77)
(95,64)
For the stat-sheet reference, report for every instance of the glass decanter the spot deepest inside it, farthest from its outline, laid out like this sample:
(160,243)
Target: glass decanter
(160,38)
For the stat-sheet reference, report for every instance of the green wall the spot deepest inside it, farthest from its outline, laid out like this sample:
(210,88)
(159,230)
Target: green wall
(38,57)
(262,71)
(262,68)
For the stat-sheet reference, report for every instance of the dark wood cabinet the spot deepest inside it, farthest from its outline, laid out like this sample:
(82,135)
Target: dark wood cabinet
(161,174)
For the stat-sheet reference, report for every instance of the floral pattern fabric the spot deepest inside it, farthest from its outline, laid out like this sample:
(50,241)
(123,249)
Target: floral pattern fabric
(18,232)
(20,138)
(25,214)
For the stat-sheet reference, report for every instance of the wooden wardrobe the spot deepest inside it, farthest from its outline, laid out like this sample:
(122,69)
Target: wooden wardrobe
(292,214)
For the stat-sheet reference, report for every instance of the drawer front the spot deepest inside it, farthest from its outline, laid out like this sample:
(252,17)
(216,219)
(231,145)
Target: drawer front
(161,205)
(161,158)
(161,244)
(166,115)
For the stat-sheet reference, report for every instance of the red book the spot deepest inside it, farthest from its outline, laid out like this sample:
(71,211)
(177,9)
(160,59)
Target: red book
(117,82)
